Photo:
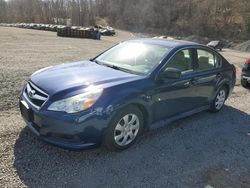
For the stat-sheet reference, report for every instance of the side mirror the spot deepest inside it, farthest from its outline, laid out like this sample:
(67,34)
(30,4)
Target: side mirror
(171,73)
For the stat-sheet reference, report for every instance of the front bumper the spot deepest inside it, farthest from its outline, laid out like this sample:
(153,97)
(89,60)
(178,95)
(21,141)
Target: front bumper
(69,131)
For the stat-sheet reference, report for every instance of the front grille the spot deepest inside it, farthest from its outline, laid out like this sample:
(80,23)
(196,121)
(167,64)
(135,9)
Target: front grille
(35,96)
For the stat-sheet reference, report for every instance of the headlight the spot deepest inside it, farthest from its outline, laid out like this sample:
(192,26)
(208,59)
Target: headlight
(77,103)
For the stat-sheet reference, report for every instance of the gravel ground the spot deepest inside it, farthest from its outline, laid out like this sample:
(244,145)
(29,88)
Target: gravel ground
(205,149)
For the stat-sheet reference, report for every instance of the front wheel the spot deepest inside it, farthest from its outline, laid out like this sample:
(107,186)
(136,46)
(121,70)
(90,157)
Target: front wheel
(219,100)
(124,129)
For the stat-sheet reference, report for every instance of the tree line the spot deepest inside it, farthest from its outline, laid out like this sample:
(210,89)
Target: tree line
(211,18)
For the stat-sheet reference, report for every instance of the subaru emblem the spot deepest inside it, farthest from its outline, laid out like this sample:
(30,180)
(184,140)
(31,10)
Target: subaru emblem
(31,93)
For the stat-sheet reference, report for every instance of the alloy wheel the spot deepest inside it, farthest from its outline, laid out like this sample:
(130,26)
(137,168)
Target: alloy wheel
(220,99)
(126,129)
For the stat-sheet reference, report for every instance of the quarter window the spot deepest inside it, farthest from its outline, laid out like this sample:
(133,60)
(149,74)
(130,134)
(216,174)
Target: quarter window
(207,60)
(182,60)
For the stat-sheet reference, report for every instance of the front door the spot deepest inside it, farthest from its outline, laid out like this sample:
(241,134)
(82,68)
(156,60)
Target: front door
(172,97)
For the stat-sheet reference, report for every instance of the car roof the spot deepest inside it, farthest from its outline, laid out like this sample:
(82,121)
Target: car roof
(166,42)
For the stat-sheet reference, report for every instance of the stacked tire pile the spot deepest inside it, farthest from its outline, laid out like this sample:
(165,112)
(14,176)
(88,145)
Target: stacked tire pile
(78,32)
(66,31)
(46,27)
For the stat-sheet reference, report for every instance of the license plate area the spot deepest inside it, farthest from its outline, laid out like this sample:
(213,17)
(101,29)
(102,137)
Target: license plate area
(26,111)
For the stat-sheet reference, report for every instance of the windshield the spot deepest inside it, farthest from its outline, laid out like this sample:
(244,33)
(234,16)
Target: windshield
(134,57)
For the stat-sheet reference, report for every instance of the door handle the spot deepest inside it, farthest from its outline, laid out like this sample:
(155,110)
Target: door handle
(190,83)
(187,84)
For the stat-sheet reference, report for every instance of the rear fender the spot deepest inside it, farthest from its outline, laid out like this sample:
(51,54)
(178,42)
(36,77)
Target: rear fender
(223,83)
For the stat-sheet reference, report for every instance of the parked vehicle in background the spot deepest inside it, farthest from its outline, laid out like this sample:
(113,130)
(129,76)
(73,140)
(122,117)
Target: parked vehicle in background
(218,45)
(124,91)
(99,26)
(107,31)
(245,75)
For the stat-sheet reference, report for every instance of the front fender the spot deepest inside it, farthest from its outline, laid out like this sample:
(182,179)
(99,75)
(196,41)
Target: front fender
(118,99)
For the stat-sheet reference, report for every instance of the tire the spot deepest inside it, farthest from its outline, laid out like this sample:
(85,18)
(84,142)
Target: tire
(121,135)
(219,100)
(245,84)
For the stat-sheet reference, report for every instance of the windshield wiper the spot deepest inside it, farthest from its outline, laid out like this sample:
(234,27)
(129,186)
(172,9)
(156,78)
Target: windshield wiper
(96,61)
(113,66)
(118,68)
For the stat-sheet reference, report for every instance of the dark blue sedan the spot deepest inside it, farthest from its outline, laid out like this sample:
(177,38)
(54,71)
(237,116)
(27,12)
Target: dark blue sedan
(113,98)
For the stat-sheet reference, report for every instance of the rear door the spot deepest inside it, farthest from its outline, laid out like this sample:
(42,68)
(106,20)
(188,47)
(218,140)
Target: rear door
(208,73)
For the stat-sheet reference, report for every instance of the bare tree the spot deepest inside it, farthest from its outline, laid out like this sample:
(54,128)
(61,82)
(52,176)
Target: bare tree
(3,11)
(174,17)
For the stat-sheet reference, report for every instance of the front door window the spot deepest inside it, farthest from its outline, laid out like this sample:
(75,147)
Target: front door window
(182,60)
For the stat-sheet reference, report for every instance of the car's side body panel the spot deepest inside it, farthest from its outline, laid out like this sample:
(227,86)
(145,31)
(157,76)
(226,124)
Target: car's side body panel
(172,97)
(168,98)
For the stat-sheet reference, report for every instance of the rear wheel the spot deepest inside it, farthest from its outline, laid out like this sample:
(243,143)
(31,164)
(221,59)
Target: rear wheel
(124,129)
(219,100)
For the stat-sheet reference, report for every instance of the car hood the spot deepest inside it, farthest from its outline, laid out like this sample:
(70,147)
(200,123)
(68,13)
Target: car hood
(78,75)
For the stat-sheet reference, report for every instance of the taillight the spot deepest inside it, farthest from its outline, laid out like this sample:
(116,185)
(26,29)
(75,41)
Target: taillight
(247,61)
(247,64)
(234,71)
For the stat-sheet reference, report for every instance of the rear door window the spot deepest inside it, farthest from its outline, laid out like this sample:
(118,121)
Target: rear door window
(207,60)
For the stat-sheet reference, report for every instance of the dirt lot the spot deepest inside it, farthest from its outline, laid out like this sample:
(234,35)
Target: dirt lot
(205,149)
